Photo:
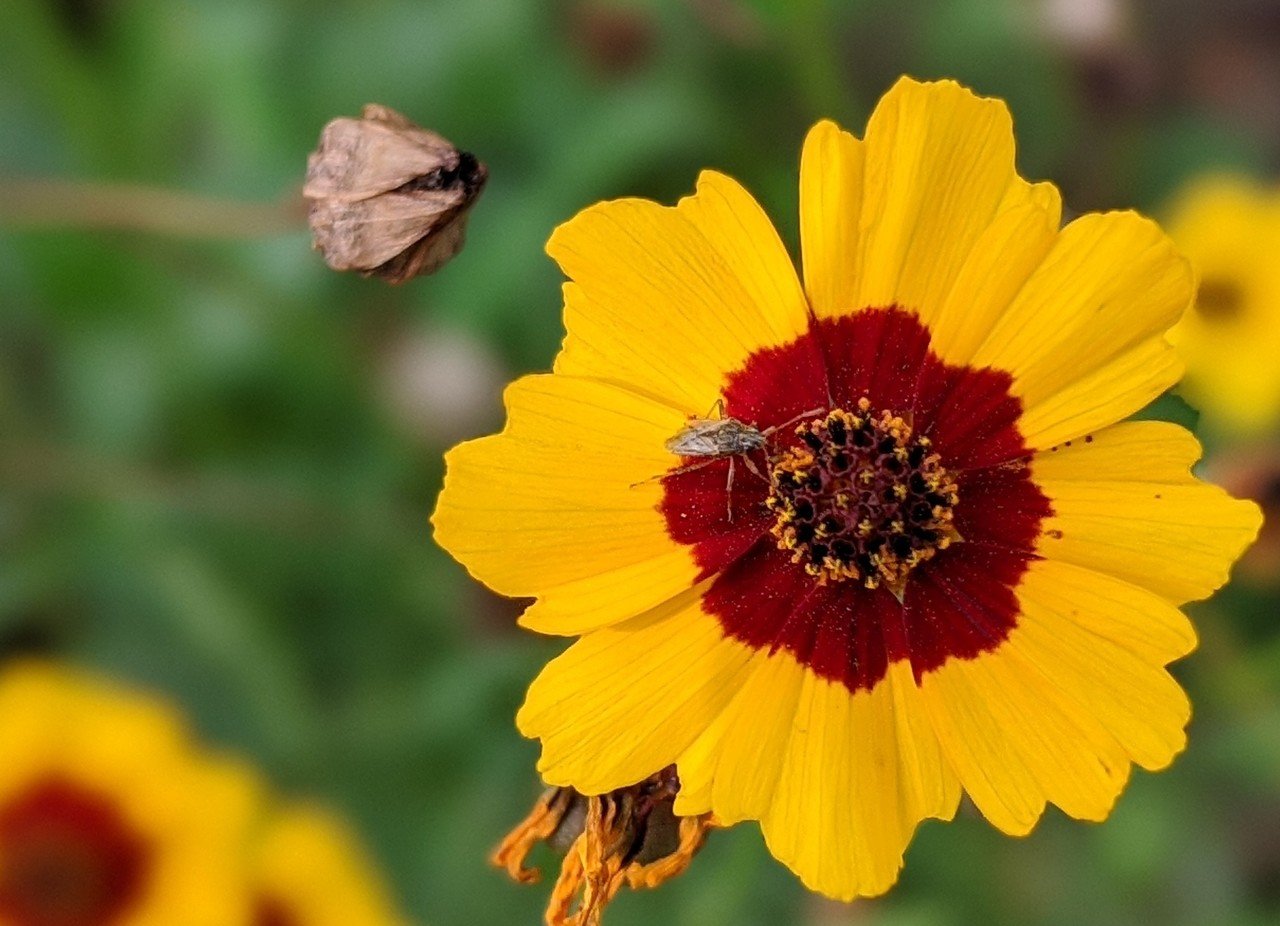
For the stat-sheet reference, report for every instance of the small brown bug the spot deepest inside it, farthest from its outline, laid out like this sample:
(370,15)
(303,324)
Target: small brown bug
(718,438)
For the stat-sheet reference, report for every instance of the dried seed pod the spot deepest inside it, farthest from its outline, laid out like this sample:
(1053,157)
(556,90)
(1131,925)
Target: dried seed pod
(629,837)
(387,197)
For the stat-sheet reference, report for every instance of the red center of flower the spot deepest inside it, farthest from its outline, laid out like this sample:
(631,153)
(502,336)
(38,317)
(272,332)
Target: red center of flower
(67,858)
(1220,299)
(894,525)
(271,911)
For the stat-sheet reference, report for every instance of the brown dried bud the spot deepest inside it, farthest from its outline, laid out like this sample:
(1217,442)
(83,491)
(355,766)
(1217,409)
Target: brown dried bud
(388,197)
(628,837)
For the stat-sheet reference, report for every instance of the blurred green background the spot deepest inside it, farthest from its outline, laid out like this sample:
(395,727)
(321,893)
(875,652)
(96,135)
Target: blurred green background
(217,457)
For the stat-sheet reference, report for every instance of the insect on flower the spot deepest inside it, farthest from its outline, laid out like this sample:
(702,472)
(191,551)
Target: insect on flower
(716,438)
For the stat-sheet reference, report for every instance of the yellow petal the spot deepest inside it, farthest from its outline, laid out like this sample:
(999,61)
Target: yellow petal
(1125,504)
(939,168)
(626,701)
(1076,693)
(831,168)
(562,504)
(611,595)
(860,772)
(1093,636)
(1017,740)
(1004,257)
(672,300)
(1142,622)
(733,766)
(1084,338)
(313,865)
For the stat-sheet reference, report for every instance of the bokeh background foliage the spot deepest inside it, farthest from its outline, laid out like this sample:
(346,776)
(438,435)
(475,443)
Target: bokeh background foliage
(217,458)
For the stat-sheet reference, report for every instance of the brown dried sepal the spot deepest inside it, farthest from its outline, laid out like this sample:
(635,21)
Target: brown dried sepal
(630,836)
(388,197)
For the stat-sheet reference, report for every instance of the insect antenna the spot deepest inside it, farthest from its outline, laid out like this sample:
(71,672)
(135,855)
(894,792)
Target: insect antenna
(773,429)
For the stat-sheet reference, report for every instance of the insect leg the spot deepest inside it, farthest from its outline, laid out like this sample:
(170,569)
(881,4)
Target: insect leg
(751,465)
(688,468)
(728,491)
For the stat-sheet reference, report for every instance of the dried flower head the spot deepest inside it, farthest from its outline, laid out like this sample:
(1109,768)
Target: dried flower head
(387,197)
(627,836)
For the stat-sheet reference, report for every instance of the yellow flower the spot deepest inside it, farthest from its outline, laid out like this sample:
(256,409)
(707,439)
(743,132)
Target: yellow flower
(107,815)
(1230,228)
(943,564)
(312,871)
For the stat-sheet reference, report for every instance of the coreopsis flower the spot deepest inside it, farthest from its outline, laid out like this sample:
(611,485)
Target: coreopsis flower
(1230,228)
(312,871)
(942,565)
(108,815)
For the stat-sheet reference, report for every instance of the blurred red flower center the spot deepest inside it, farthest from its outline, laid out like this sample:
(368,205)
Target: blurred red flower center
(270,911)
(67,858)
(1220,299)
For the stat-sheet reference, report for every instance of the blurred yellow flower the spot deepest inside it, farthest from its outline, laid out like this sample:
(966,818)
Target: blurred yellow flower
(312,871)
(1252,470)
(1230,228)
(943,565)
(108,816)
